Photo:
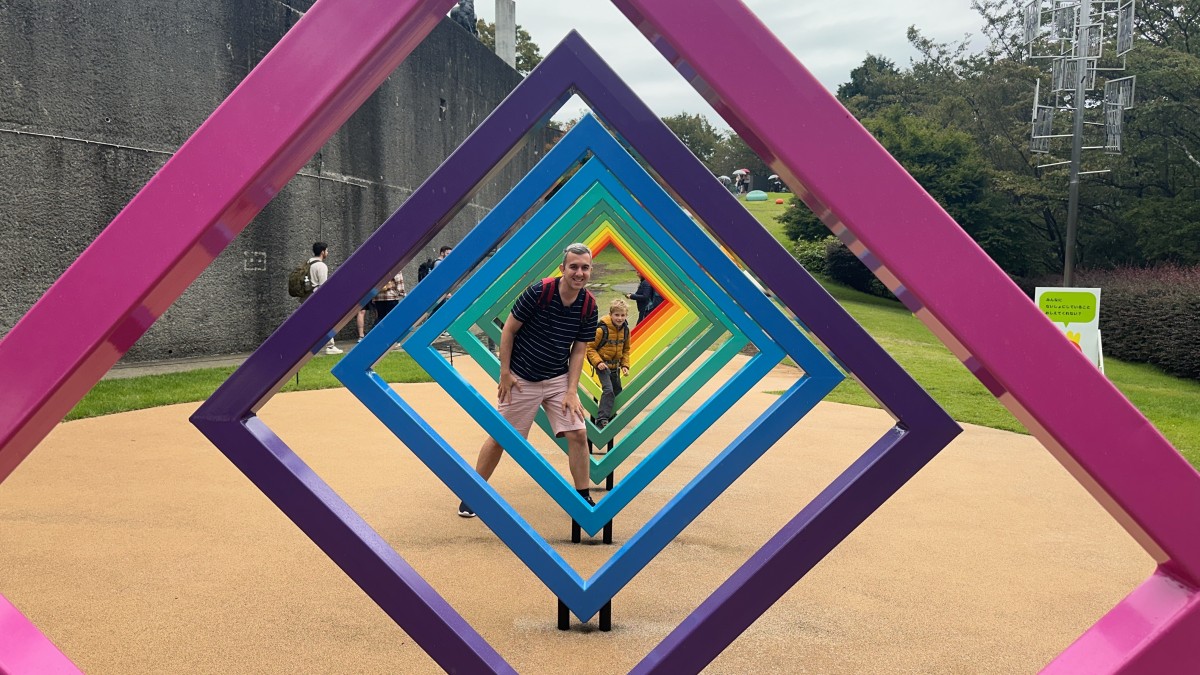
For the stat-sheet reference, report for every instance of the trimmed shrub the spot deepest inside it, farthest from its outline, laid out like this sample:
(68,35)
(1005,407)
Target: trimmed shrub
(842,266)
(811,254)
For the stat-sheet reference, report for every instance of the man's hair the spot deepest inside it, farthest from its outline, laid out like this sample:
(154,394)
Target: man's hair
(445,249)
(618,304)
(577,249)
(318,247)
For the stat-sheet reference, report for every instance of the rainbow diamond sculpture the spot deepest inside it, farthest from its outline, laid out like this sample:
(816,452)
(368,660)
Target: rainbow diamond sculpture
(227,418)
(285,109)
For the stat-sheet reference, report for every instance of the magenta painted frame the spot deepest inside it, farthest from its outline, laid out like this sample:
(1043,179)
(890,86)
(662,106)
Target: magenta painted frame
(226,172)
(253,143)
(23,649)
(923,256)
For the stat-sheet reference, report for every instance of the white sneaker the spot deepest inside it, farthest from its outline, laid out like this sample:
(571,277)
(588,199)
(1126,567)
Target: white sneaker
(334,350)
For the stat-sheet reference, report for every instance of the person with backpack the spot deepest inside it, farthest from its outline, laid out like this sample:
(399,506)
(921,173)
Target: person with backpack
(542,348)
(316,273)
(645,296)
(609,355)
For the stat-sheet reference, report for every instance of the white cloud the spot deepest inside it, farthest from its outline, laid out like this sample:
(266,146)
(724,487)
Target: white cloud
(829,38)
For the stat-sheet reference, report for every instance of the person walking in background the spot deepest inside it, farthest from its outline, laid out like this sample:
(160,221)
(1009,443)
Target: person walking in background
(318,273)
(361,320)
(442,253)
(542,348)
(609,355)
(645,297)
(389,296)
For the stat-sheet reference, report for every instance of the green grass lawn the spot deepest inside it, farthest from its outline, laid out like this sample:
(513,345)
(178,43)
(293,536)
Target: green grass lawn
(767,211)
(609,269)
(136,393)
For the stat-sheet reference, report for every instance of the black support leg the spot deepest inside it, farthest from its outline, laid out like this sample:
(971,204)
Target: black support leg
(608,532)
(564,616)
(576,533)
(605,617)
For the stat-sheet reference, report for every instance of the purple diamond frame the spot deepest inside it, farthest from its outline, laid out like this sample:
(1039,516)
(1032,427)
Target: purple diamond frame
(228,420)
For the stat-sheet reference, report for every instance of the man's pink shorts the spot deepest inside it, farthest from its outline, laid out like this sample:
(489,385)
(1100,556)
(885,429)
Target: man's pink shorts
(525,398)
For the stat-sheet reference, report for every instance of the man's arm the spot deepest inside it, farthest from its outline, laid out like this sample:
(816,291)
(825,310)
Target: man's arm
(507,335)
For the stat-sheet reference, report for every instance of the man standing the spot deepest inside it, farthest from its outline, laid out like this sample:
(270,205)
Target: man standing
(318,274)
(542,348)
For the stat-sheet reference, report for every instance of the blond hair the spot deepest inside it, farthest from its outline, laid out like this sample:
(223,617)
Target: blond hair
(618,304)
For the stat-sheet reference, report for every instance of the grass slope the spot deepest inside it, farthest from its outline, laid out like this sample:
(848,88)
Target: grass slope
(149,391)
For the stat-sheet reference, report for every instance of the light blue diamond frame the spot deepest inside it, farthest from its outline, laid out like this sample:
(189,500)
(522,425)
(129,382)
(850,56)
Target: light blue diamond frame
(592,519)
(584,598)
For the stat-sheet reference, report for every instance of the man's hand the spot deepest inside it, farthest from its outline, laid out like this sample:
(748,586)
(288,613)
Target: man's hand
(571,404)
(507,384)
(624,371)
(602,366)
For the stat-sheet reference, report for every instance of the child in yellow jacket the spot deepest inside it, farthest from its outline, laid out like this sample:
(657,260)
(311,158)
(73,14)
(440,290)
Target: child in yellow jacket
(609,355)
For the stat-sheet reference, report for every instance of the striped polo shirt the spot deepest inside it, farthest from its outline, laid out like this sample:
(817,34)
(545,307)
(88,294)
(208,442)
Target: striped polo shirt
(542,347)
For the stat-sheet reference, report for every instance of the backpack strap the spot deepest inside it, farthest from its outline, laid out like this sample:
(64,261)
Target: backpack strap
(549,288)
(603,340)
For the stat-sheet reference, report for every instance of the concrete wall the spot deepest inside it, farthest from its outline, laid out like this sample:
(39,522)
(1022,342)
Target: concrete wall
(95,96)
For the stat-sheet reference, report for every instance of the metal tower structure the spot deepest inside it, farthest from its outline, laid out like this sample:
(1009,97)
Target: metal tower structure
(1072,35)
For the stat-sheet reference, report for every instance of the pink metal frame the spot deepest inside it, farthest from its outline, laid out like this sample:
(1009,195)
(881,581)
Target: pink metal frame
(342,49)
(923,256)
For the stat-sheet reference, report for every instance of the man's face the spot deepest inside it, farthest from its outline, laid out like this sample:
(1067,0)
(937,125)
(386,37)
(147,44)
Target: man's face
(618,317)
(577,270)
(324,254)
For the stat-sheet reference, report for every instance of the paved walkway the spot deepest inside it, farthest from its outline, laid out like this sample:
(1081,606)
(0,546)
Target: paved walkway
(138,548)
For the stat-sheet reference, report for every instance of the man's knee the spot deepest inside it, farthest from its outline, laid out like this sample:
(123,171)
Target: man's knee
(576,436)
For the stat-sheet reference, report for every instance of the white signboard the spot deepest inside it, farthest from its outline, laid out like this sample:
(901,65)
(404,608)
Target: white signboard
(1076,312)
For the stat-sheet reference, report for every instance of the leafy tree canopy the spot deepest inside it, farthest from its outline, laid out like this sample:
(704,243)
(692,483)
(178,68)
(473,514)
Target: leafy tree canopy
(529,55)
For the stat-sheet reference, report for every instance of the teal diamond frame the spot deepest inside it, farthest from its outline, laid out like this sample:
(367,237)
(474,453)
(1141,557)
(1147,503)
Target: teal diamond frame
(661,372)
(584,598)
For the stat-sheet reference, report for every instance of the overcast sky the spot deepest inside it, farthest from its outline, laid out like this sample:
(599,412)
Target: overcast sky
(829,38)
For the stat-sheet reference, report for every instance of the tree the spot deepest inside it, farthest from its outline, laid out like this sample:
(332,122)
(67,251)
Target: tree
(874,85)
(698,134)
(947,163)
(529,55)
(733,153)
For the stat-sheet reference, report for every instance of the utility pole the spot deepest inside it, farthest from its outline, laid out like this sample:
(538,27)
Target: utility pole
(1081,73)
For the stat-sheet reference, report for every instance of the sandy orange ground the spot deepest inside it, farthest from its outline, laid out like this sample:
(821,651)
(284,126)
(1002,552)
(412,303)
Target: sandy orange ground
(138,548)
